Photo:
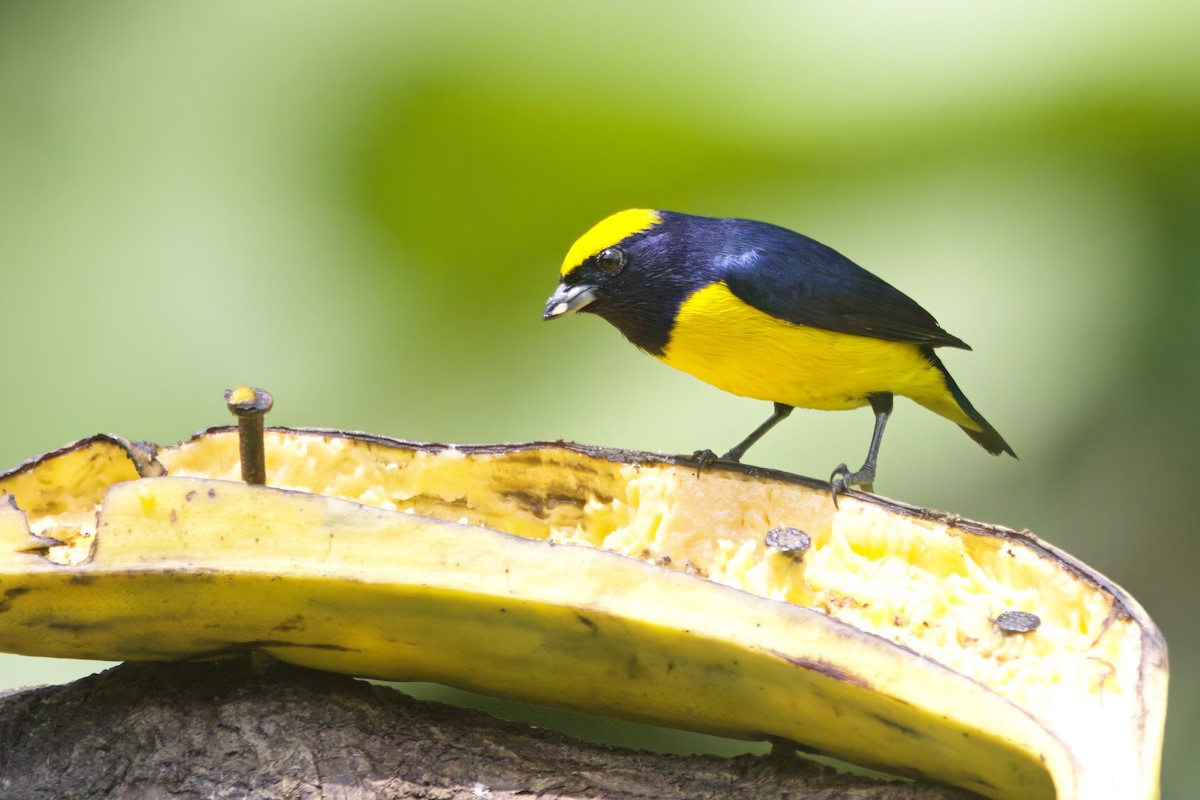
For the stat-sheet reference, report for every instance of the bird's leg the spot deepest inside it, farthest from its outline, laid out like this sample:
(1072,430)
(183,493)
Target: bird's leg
(777,416)
(842,478)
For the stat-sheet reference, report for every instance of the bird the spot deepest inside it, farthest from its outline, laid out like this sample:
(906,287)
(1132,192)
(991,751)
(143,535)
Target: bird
(763,312)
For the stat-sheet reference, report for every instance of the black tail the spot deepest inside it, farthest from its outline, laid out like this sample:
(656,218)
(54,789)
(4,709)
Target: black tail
(988,438)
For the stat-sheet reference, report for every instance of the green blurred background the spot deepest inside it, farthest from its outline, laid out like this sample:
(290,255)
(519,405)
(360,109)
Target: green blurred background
(362,207)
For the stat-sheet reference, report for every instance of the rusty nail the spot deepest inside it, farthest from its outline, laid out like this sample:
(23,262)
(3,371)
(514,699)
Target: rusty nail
(250,405)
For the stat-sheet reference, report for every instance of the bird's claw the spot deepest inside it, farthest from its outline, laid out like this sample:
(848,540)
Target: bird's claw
(704,459)
(842,479)
(837,481)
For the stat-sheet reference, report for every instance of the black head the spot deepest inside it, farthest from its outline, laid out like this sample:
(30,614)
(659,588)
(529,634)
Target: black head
(634,269)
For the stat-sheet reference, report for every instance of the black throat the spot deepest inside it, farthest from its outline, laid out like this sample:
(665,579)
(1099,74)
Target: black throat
(645,300)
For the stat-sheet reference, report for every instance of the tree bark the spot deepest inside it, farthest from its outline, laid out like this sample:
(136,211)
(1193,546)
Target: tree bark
(263,730)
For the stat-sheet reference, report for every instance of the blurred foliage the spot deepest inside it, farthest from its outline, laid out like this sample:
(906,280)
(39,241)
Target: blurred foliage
(362,206)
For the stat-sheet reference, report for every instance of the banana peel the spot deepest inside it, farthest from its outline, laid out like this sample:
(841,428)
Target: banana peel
(732,600)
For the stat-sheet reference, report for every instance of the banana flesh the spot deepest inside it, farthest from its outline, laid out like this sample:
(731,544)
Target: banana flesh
(878,643)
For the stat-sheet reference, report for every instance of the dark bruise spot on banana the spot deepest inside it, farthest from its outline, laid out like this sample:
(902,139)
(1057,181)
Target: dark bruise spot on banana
(538,505)
(589,623)
(984,783)
(533,455)
(432,501)
(633,667)
(540,457)
(826,669)
(12,594)
(294,623)
(904,730)
(71,627)
(792,542)
(1017,622)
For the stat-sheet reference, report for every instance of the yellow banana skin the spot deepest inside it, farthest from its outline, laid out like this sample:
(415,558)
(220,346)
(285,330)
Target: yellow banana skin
(198,567)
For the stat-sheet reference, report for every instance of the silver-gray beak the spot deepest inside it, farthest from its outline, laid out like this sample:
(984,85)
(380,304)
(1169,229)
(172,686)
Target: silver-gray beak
(568,299)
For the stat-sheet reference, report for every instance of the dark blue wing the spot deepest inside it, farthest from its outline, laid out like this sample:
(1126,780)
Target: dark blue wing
(795,278)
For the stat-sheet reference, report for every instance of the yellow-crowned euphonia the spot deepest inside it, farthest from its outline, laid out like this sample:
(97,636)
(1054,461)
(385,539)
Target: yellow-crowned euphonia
(764,312)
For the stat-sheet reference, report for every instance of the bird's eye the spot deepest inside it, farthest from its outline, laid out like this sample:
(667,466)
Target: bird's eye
(610,259)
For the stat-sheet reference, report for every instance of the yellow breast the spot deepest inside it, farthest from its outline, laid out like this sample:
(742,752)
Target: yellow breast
(734,346)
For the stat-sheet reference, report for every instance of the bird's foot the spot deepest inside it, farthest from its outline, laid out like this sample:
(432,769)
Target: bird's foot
(704,459)
(842,479)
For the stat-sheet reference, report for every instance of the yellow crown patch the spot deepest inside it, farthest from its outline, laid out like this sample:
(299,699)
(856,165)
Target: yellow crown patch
(608,232)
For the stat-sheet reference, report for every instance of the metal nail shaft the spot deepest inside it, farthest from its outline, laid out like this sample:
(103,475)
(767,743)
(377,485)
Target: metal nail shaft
(250,405)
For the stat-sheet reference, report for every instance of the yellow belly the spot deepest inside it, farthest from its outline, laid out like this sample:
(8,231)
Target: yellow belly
(735,347)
